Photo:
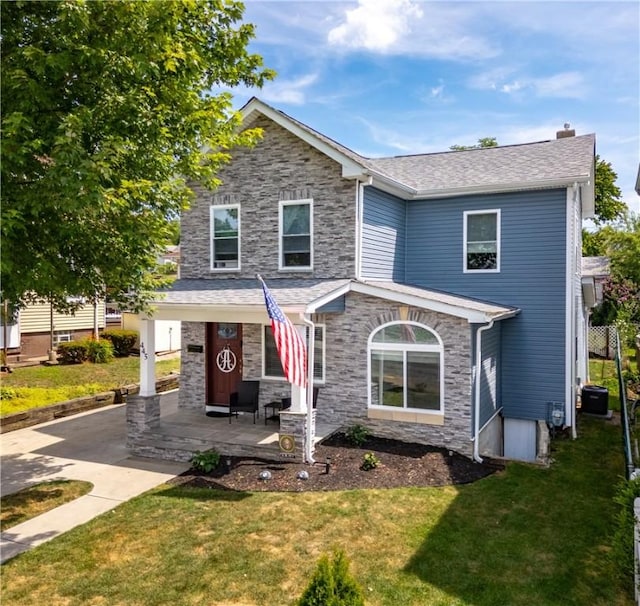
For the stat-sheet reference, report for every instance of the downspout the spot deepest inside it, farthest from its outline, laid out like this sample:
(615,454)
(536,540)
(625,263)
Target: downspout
(478,377)
(310,365)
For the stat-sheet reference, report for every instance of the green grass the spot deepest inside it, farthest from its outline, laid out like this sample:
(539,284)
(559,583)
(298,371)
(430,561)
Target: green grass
(30,502)
(35,386)
(528,535)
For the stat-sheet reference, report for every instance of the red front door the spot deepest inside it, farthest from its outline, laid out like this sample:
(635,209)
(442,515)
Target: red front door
(224,361)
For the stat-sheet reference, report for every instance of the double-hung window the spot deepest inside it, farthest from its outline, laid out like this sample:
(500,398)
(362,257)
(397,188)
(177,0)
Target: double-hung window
(225,237)
(406,368)
(272,367)
(296,234)
(482,241)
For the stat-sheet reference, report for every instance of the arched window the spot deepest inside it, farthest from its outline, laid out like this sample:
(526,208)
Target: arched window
(406,368)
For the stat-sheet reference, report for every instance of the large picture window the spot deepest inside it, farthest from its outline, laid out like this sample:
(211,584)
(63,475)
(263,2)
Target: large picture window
(406,368)
(225,237)
(272,367)
(482,241)
(296,236)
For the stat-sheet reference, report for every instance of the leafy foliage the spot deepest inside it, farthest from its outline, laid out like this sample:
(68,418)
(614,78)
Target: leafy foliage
(73,352)
(205,461)
(99,351)
(357,434)
(482,143)
(608,203)
(332,584)
(107,115)
(369,461)
(122,340)
(622,548)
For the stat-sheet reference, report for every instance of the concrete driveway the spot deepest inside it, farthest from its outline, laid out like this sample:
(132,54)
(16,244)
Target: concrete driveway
(89,446)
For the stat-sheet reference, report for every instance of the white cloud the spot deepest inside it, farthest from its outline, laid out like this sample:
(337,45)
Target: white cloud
(565,85)
(288,91)
(427,29)
(375,25)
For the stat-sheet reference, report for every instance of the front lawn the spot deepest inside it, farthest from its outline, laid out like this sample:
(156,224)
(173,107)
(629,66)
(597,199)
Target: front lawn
(524,536)
(34,386)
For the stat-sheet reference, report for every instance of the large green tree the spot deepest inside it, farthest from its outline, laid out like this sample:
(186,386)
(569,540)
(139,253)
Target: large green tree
(107,116)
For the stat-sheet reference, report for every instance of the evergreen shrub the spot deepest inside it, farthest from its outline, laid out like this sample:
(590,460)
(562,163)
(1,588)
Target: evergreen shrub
(123,341)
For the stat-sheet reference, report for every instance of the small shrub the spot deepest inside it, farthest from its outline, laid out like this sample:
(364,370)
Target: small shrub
(123,341)
(100,351)
(73,352)
(205,461)
(369,461)
(332,584)
(357,434)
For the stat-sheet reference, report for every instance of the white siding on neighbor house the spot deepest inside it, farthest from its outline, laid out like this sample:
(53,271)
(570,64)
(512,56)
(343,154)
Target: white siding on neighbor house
(167,333)
(36,318)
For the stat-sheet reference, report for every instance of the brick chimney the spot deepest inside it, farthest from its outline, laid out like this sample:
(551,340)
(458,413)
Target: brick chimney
(567,132)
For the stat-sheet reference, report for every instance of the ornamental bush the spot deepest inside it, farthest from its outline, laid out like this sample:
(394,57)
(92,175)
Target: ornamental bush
(73,352)
(123,341)
(332,584)
(100,351)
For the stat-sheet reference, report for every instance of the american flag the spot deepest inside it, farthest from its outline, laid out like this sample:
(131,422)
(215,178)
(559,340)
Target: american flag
(289,343)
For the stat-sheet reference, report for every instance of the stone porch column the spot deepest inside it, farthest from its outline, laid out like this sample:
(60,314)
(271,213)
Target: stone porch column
(143,414)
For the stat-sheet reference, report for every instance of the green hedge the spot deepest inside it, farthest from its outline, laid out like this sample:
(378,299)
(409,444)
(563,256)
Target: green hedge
(123,341)
(73,352)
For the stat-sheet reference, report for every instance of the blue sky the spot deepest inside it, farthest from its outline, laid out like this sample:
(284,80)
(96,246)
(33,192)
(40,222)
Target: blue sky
(394,77)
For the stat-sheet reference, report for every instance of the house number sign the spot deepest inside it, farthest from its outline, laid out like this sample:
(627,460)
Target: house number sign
(226,359)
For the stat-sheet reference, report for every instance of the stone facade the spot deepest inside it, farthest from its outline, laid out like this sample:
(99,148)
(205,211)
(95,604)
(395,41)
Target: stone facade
(279,167)
(193,367)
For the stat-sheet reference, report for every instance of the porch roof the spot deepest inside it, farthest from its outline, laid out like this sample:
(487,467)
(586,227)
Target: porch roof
(242,300)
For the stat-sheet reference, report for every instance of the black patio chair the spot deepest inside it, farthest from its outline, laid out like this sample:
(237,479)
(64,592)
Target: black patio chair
(245,399)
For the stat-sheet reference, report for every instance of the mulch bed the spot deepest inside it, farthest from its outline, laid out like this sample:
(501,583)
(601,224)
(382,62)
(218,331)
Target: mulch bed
(401,464)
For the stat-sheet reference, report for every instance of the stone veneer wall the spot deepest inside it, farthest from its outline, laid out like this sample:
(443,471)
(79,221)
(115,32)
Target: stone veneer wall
(344,397)
(193,367)
(279,167)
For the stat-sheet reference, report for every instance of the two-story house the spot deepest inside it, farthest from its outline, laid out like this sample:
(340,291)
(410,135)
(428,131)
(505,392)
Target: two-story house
(443,290)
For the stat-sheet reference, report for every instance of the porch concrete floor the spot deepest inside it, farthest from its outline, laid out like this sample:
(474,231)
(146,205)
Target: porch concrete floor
(195,429)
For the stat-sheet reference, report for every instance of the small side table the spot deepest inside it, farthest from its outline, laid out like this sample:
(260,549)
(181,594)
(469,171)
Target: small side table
(276,407)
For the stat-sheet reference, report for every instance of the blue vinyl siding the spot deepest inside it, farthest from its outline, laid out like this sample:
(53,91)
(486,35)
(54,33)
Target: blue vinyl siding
(337,305)
(531,277)
(490,400)
(383,236)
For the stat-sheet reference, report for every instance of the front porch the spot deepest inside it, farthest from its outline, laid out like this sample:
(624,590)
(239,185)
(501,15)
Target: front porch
(178,432)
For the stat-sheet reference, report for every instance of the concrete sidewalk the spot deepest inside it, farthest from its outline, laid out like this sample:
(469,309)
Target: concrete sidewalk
(89,446)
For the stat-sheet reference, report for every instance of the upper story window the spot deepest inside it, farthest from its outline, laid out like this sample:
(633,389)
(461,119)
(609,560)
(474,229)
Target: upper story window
(225,237)
(296,234)
(482,241)
(406,368)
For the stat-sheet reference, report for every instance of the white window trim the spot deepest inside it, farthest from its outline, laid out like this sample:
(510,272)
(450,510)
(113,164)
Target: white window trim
(486,211)
(404,347)
(62,336)
(282,204)
(212,209)
(320,381)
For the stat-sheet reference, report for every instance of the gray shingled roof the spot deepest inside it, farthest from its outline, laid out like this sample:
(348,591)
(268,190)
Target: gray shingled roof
(301,293)
(528,165)
(221,292)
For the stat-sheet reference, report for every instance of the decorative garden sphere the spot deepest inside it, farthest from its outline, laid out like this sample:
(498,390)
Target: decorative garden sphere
(303,474)
(265,475)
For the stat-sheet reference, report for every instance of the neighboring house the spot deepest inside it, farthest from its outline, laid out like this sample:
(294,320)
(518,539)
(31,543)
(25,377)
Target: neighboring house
(445,289)
(31,335)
